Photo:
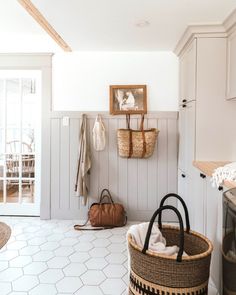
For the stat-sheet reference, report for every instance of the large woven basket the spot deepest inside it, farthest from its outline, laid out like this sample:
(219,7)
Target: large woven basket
(136,143)
(152,273)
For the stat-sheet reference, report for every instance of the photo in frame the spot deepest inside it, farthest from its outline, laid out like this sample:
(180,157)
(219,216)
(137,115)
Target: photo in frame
(128,99)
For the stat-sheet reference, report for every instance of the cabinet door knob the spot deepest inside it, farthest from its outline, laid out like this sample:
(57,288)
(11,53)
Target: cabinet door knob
(184,100)
(202,175)
(183,175)
(184,105)
(220,188)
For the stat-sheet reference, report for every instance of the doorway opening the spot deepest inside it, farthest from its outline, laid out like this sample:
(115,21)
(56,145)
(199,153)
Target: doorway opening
(20,142)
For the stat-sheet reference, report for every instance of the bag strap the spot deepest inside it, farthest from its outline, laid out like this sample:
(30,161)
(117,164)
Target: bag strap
(184,206)
(81,226)
(128,121)
(102,196)
(130,143)
(143,136)
(130,135)
(142,122)
(181,232)
(78,226)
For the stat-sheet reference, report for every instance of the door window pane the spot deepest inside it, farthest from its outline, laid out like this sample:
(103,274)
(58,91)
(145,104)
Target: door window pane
(28,143)
(2,145)
(2,106)
(13,99)
(12,191)
(13,141)
(27,191)
(1,165)
(29,101)
(12,165)
(28,163)
(1,190)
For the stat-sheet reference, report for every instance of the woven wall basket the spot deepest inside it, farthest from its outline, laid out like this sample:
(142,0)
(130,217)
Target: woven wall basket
(136,143)
(152,273)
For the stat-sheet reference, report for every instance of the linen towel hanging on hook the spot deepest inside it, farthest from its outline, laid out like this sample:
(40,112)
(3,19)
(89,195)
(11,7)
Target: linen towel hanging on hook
(99,134)
(84,163)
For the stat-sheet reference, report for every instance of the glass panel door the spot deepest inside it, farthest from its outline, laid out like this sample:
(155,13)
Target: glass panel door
(20,142)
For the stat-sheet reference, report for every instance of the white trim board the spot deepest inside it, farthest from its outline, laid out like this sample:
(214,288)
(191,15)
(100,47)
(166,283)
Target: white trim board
(41,62)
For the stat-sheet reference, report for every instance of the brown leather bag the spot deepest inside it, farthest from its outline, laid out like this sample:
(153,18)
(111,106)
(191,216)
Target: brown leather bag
(105,215)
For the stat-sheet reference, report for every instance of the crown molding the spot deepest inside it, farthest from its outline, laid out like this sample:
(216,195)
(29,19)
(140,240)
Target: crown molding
(206,30)
(194,31)
(230,22)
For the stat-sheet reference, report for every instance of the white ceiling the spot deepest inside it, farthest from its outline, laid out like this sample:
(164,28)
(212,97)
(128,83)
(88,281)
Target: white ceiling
(19,32)
(106,24)
(110,24)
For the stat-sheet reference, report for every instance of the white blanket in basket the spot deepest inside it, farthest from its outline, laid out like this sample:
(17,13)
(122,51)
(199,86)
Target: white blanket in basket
(157,242)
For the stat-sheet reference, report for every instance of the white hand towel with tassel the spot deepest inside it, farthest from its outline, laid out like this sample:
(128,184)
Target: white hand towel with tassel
(99,134)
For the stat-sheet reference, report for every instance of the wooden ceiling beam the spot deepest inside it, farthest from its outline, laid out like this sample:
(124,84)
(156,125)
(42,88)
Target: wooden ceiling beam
(41,20)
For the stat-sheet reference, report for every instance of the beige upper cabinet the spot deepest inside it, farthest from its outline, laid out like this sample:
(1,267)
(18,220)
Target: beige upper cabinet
(231,67)
(188,74)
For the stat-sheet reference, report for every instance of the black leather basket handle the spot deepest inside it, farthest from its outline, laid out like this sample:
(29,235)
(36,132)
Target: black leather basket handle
(181,231)
(108,195)
(184,206)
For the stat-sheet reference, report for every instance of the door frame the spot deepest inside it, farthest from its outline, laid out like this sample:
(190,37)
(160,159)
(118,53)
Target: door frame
(43,62)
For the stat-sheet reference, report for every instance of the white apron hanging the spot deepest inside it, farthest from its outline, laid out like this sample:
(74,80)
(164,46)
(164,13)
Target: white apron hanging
(99,134)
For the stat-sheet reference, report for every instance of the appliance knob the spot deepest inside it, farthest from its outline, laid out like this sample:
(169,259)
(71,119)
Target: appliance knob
(183,175)
(220,188)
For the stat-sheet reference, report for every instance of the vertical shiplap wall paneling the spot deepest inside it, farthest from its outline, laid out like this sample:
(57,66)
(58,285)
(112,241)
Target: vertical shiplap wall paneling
(64,167)
(103,168)
(132,175)
(94,176)
(172,158)
(113,169)
(55,167)
(142,178)
(74,143)
(137,183)
(122,172)
(152,163)
(162,159)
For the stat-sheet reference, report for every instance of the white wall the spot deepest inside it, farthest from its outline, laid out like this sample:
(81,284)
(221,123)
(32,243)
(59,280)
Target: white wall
(81,79)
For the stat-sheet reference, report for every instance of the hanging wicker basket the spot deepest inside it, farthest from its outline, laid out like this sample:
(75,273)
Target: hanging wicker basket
(152,273)
(136,143)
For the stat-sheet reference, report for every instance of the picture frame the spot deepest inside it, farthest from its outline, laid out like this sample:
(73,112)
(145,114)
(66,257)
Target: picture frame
(128,99)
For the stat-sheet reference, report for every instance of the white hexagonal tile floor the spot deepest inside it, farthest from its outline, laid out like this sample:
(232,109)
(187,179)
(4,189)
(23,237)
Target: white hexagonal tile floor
(51,258)
(51,276)
(93,277)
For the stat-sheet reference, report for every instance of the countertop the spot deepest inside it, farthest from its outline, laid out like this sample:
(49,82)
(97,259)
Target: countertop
(208,168)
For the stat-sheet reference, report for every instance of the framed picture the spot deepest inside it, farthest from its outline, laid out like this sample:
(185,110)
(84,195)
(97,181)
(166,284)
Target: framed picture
(128,99)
